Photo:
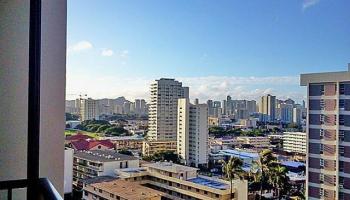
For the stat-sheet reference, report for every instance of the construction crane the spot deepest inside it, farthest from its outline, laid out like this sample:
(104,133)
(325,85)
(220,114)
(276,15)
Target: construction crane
(80,95)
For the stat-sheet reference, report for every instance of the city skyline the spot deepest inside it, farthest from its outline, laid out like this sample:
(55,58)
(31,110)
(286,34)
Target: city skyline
(217,49)
(203,88)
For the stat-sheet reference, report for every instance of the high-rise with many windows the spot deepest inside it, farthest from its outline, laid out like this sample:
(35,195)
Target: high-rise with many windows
(88,109)
(163,108)
(328,135)
(286,112)
(267,107)
(192,132)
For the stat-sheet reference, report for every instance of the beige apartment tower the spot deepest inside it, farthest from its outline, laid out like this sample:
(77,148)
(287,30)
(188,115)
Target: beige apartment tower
(163,109)
(88,109)
(328,135)
(267,107)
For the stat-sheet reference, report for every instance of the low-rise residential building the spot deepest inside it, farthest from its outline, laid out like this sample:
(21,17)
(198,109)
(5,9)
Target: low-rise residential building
(294,142)
(226,122)
(258,142)
(248,123)
(213,121)
(151,147)
(182,182)
(223,143)
(89,164)
(127,142)
(246,156)
(276,140)
(91,144)
(120,189)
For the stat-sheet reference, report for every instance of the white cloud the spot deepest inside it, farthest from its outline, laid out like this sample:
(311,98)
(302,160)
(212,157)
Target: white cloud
(309,3)
(80,46)
(218,87)
(204,88)
(107,52)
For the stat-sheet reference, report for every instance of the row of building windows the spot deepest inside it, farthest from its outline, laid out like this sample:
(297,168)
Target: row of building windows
(318,89)
(178,185)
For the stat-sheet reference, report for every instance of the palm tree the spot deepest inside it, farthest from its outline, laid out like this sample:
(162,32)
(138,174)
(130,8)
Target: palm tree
(278,179)
(255,173)
(231,169)
(260,169)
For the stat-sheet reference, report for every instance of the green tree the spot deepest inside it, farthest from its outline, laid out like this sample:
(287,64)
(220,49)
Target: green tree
(216,130)
(116,131)
(260,170)
(92,127)
(232,169)
(163,156)
(102,128)
(279,180)
(70,116)
(126,152)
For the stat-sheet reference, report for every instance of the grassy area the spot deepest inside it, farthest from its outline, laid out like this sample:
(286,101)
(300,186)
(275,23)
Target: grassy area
(73,132)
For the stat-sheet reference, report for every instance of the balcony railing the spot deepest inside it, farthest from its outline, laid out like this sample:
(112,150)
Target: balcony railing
(44,189)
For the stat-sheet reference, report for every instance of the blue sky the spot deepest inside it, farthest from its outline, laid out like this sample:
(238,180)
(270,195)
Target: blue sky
(241,48)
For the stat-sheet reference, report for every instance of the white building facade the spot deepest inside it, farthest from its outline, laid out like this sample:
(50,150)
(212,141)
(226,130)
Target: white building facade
(294,142)
(88,109)
(192,132)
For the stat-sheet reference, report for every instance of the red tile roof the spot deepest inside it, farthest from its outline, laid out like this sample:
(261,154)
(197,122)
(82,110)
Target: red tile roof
(89,144)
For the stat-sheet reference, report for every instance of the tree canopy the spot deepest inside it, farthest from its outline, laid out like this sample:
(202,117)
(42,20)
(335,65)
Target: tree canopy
(102,126)
(70,117)
(163,156)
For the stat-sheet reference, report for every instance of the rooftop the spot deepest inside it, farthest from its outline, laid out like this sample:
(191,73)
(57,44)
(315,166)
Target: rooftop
(293,164)
(133,170)
(87,144)
(103,156)
(99,179)
(239,154)
(324,77)
(128,190)
(297,133)
(209,183)
(133,137)
(170,167)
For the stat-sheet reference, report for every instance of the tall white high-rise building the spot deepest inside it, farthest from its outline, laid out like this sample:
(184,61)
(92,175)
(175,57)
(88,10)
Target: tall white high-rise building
(163,108)
(105,106)
(88,109)
(127,107)
(297,115)
(267,107)
(140,106)
(192,132)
